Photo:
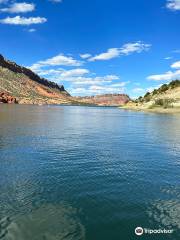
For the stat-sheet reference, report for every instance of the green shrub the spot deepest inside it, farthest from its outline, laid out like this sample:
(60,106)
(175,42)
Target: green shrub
(165,103)
(147,97)
(140,99)
(147,94)
(155,92)
(174,84)
(163,88)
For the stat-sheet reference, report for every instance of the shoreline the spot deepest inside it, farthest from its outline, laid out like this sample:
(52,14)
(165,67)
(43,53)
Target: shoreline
(125,107)
(59,104)
(153,110)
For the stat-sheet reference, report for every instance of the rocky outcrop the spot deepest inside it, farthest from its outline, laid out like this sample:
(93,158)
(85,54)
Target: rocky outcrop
(6,98)
(106,99)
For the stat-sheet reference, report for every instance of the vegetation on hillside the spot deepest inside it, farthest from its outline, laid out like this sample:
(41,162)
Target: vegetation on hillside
(164,99)
(162,89)
(158,95)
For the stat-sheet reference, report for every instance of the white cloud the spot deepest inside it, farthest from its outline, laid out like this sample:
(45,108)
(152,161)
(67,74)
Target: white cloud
(126,49)
(31,30)
(85,56)
(49,73)
(168,76)
(76,76)
(137,90)
(111,53)
(137,47)
(36,67)
(168,58)
(59,60)
(176,65)
(83,80)
(121,84)
(173,5)
(105,89)
(19,8)
(150,89)
(74,72)
(95,90)
(78,91)
(22,20)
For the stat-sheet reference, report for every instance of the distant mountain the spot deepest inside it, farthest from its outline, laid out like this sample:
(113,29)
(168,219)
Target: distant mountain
(27,87)
(166,97)
(106,99)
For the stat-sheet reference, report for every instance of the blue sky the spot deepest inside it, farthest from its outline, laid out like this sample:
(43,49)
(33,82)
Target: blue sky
(95,46)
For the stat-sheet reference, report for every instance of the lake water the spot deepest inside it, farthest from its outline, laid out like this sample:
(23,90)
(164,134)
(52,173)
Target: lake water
(87,173)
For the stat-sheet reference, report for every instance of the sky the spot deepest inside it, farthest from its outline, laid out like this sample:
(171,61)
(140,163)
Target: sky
(95,46)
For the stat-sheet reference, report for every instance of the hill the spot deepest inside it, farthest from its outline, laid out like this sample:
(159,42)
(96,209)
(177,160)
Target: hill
(27,87)
(106,99)
(164,99)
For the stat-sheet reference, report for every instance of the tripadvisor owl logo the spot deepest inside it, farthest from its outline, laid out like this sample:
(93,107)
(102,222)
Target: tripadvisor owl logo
(139,231)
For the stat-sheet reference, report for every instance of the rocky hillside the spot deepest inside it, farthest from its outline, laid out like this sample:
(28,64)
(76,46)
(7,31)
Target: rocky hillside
(106,99)
(25,86)
(166,97)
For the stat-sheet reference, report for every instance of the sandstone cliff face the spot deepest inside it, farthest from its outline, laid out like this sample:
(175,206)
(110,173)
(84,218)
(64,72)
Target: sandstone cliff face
(28,88)
(106,99)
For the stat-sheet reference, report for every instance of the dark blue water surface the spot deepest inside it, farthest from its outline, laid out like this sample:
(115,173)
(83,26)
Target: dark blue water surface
(87,173)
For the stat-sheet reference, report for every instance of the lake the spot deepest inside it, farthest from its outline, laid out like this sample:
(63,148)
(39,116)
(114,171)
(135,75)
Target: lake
(87,173)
